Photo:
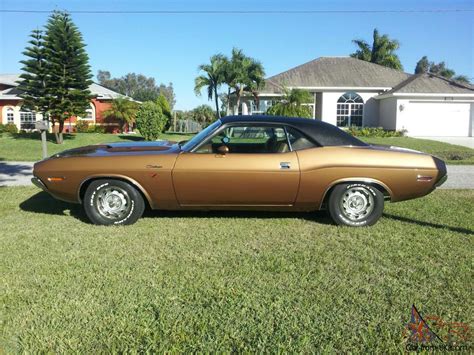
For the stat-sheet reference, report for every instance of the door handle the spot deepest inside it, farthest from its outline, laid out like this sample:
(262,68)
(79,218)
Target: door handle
(285,165)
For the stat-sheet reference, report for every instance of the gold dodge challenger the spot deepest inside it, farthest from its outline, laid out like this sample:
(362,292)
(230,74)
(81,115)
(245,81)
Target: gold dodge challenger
(242,163)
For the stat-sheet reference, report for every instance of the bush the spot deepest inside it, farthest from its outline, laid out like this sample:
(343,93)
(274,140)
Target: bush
(82,126)
(372,132)
(95,129)
(150,120)
(8,128)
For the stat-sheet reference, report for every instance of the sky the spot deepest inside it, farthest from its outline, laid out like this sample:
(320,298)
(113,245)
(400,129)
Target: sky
(169,47)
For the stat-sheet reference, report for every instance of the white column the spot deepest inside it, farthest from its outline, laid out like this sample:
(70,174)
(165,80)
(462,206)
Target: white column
(314,106)
(245,110)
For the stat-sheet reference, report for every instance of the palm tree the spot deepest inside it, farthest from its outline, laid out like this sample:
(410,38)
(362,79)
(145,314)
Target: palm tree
(244,74)
(212,79)
(204,114)
(292,104)
(124,110)
(381,52)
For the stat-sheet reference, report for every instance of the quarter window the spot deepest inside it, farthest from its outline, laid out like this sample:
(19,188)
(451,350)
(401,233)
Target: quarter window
(350,110)
(298,140)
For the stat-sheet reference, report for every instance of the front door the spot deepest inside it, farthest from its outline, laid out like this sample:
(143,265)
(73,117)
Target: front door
(241,165)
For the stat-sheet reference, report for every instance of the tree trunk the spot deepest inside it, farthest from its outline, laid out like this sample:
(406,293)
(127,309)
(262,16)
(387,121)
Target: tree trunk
(59,133)
(60,129)
(218,112)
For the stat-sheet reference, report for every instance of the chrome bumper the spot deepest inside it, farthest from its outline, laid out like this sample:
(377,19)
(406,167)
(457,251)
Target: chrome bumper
(441,181)
(38,183)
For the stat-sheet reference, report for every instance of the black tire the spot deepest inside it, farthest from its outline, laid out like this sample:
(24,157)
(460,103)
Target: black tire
(355,204)
(113,202)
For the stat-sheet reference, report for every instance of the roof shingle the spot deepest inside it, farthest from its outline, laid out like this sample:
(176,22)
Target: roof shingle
(431,84)
(97,90)
(336,72)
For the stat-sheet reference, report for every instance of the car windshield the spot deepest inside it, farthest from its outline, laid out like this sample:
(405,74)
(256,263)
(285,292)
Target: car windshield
(201,135)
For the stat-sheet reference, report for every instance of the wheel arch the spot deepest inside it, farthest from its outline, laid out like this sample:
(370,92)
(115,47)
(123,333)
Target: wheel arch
(87,181)
(387,192)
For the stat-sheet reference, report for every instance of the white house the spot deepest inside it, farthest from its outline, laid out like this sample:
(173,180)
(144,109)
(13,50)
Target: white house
(351,92)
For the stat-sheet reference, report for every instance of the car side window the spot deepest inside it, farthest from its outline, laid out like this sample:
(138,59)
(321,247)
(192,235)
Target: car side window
(248,139)
(298,140)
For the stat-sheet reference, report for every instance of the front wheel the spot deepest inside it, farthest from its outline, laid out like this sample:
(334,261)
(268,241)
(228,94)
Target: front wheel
(356,204)
(113,202)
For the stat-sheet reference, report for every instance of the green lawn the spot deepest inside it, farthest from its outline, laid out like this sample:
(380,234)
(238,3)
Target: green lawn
(452,154)
(27,146)
(229,281)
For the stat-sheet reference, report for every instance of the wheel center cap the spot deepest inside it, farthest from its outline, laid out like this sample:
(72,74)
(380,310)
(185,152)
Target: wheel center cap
(356,203)
(114,202)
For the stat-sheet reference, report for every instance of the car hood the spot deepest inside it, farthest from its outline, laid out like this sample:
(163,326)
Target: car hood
(128,148)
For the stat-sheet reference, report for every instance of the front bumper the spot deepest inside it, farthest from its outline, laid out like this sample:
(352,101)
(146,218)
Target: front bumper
(38,183)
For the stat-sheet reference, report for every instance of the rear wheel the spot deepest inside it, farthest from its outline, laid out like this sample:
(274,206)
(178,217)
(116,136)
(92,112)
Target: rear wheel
(356,204)
(113,202)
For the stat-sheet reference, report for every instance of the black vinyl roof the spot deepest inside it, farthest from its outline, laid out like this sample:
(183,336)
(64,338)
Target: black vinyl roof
(322,133)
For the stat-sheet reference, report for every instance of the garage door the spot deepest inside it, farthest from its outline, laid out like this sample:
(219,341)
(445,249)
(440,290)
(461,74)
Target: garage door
(437,119)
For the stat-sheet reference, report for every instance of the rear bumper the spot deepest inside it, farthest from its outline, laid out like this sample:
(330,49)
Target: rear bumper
(441,181)
(442,172)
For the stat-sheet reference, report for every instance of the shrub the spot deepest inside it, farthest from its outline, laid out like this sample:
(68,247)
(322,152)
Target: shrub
(461,155)
(8,128)
(95,129)
(372,132)
(82,126)
(150,120)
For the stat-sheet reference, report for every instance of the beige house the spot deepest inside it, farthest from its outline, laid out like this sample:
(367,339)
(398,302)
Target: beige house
(351,92)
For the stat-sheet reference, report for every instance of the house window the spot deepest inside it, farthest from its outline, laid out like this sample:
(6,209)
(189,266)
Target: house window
(262,108)
(90,114)
(10,116)
(350,110)
(27,120)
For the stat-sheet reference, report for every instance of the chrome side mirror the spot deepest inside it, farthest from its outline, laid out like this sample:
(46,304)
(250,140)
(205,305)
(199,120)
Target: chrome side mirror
(223,149)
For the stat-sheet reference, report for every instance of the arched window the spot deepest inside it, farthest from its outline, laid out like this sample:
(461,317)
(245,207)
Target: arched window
(10,115)
(90,113)
(350,110)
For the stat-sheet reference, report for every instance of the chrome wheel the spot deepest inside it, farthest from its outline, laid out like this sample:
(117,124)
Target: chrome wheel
(113,202)
(357,203)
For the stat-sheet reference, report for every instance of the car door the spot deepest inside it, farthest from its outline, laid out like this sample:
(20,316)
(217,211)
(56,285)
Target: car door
(258,170)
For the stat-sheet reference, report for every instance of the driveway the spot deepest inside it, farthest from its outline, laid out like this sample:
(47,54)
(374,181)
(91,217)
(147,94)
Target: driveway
(464,141)
(19,174)
(13,173)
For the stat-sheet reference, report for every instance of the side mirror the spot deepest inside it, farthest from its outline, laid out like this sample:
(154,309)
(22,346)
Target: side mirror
(223,149)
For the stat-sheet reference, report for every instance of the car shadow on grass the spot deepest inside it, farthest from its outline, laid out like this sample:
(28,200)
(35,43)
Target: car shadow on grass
(43,203)
(317,216)
(428,224)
